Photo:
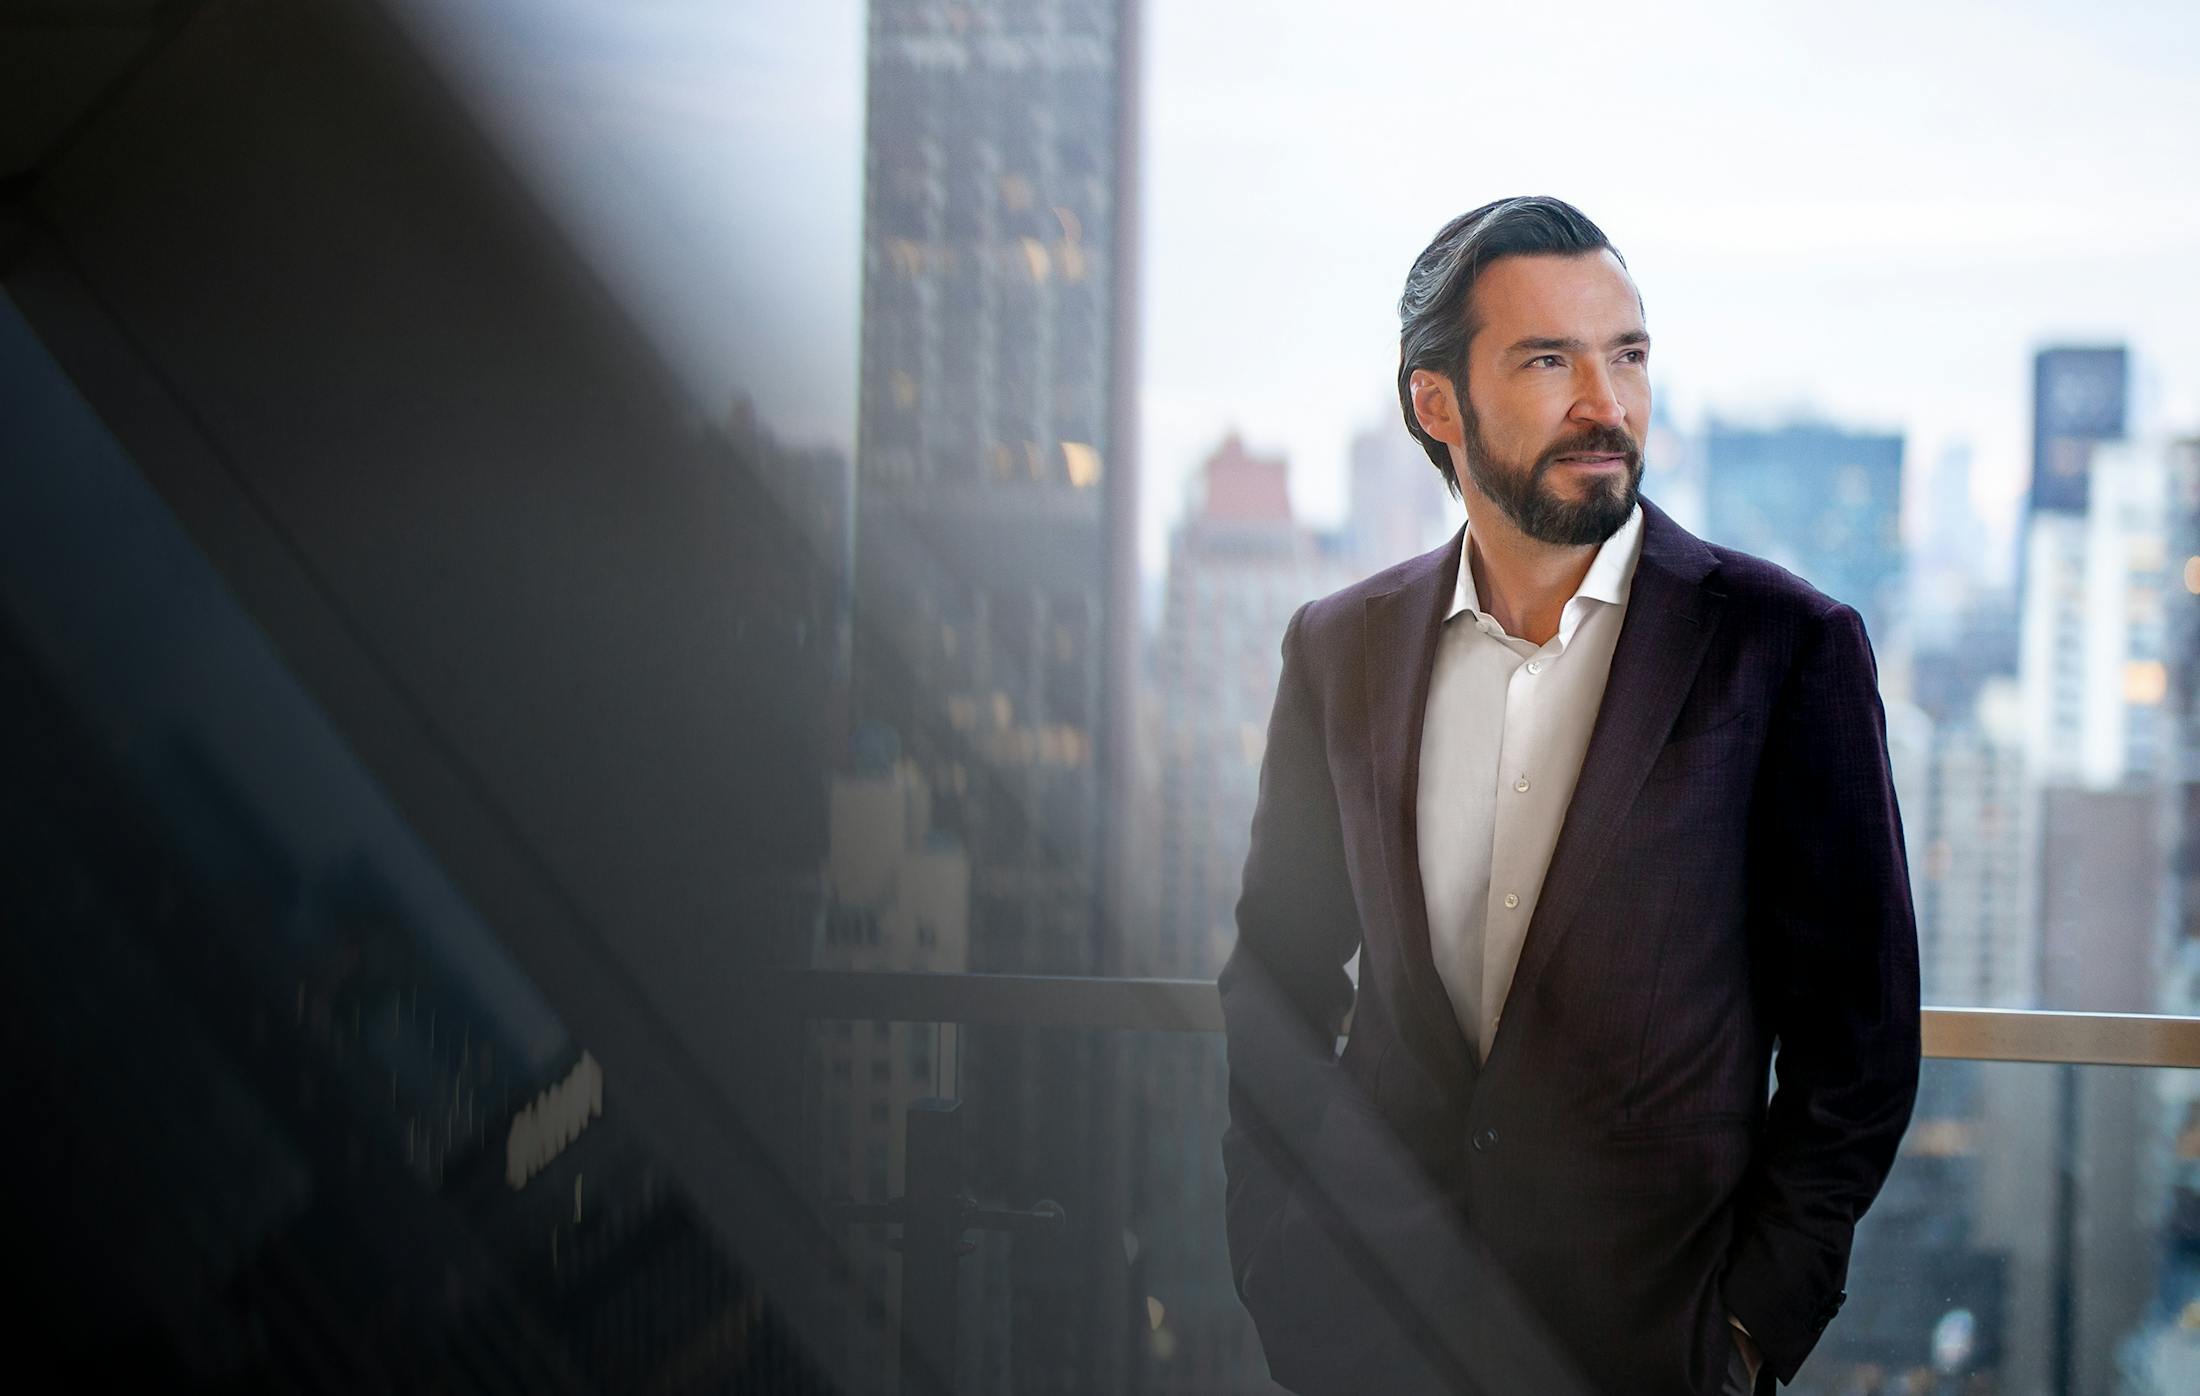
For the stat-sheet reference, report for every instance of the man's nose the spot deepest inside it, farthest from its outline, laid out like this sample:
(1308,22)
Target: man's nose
(1597,402)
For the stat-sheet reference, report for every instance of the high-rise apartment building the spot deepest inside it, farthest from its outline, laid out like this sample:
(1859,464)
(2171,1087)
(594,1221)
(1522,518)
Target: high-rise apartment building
(2093,626)
(996,583)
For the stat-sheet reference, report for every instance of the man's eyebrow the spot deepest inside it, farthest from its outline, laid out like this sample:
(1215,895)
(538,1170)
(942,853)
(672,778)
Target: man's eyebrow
(1547,345)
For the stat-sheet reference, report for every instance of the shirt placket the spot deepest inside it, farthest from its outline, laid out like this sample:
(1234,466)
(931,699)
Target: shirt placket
(1511,900)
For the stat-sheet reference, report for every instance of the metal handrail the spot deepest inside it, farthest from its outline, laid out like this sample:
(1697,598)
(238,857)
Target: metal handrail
(1192,1005)
(1009,1000)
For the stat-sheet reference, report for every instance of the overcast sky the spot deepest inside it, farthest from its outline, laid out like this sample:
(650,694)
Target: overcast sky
(1871,212)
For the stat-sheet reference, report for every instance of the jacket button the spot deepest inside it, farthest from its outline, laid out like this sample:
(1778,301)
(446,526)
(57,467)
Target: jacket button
(1485,1141)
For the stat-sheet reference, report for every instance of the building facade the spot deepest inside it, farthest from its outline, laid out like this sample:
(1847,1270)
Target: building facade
(1823,501)
(995,575)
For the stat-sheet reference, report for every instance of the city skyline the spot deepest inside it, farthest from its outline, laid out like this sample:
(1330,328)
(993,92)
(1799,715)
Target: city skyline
(1913,396)
(544,866)
(711,156)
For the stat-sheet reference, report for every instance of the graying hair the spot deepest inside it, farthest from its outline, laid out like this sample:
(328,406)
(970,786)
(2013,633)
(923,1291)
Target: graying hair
(1436,320)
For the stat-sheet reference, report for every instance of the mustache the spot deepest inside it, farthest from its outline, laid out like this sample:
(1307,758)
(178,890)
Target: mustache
(1596,441)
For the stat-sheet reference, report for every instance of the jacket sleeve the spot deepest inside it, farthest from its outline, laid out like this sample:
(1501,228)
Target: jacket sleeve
(1284,989)
(1834,942)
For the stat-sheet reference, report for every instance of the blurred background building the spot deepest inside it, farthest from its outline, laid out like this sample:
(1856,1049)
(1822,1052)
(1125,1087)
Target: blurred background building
(1239,565)
(1823,501)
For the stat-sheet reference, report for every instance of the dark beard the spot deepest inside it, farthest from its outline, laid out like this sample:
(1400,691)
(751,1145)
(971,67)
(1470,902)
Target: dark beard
(1538,512)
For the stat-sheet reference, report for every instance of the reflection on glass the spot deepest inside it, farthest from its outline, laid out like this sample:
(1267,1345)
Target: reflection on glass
(286,1114)
(2040,1232)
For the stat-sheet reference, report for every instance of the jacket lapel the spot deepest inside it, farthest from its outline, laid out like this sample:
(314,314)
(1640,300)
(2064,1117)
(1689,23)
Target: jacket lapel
(1671,614)
(1400,633)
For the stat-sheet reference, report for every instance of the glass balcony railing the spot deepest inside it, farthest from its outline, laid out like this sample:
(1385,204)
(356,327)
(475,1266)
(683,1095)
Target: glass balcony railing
(2040,1230)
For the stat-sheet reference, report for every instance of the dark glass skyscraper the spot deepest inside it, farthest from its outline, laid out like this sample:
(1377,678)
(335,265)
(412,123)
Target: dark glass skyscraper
(995,580)
(1824,502)
(995,506)
(2078,401)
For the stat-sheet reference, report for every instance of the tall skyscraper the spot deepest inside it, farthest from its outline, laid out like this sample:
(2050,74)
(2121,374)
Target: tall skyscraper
(2102,643)
(1822,501)
(2078,402)
(1239,565)
(995,488)
(2092,639)
(996,582)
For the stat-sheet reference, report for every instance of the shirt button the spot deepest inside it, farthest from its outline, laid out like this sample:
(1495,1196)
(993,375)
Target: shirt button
(1512,899)
(1521,785)
(1485,1141)
(1535,666)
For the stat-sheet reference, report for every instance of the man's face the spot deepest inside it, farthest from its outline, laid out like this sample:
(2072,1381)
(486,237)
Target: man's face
(1558,395)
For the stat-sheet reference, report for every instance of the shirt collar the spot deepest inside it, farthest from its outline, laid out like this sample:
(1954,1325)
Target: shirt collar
(1610,577)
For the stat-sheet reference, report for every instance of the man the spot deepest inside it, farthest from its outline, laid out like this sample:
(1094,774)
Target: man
(1605,812)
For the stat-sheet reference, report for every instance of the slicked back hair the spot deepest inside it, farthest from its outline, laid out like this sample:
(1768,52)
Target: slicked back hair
(1436,319)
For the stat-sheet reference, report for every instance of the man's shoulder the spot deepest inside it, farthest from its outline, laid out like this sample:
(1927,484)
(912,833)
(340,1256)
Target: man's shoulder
(1338,614)
(1770,590)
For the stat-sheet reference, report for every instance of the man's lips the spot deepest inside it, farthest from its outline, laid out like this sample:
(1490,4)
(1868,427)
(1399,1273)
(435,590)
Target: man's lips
(1594,460)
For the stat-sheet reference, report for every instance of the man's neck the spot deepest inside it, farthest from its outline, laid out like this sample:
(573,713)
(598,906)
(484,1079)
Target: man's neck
(1523,583)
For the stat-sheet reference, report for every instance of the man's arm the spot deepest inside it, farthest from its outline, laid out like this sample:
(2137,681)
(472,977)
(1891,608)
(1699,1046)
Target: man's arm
(1284,990)
(1834,944)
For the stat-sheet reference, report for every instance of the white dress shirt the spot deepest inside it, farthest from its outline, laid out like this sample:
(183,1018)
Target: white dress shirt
(1501,747)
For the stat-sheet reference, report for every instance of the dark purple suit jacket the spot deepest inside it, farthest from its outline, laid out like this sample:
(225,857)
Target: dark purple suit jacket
(1583,1211)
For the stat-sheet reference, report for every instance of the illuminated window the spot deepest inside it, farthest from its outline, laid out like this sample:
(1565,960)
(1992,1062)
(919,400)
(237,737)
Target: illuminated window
(1082,463)
(1037,259)
(2145,681)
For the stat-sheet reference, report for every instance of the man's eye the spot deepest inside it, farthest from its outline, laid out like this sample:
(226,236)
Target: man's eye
(1635,356)
(1543,359)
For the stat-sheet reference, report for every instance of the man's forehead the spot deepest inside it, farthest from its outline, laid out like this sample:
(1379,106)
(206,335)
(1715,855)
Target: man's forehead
(1549,295)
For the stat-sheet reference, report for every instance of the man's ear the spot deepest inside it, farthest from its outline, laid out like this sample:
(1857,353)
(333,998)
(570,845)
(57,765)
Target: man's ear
(1436,406)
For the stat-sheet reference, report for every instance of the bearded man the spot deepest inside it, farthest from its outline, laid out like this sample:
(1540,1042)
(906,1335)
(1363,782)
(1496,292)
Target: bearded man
(1605,812)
